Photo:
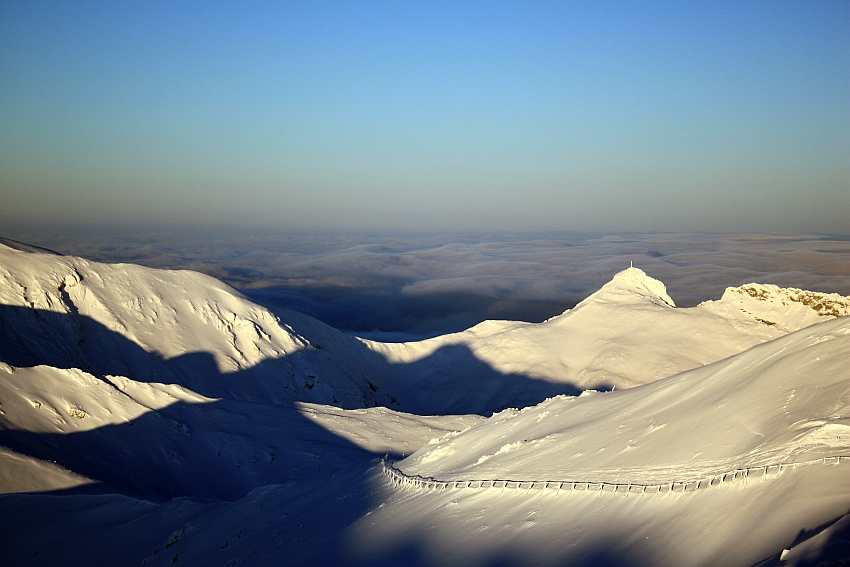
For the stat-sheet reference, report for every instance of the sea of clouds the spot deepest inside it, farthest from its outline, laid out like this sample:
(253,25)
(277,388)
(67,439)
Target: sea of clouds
(405,286)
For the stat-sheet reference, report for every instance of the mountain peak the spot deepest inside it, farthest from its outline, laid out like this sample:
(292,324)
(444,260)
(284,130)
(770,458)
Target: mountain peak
(631,284)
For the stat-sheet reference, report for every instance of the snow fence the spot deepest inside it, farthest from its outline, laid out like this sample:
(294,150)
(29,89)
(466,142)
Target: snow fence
(765,472)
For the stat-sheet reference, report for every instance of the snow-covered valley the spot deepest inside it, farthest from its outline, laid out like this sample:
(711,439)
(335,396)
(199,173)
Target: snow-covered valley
(157,417)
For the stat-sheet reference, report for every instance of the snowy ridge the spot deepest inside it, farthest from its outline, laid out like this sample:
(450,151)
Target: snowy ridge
(786,309)
(764,472)
(107,319)
(626,334)
(783,401)
(824,304)
(757,443)
(184,424)
(166,327)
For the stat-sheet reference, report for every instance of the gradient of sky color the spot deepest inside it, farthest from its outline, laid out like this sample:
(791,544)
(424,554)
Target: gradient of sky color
(647,116)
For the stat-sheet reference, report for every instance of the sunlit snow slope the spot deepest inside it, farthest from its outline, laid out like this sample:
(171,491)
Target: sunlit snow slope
(185,328)
(159,326)
(783,402)
(153,417)
(629,333)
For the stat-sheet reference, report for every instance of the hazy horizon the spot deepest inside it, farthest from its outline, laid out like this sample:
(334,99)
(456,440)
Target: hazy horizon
(418,167)
(406,286)
(427,116)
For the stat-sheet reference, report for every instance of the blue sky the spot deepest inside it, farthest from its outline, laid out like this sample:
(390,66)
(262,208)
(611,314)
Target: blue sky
(635,116)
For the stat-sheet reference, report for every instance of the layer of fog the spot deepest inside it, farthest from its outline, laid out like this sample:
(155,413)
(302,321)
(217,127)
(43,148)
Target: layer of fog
(402,286)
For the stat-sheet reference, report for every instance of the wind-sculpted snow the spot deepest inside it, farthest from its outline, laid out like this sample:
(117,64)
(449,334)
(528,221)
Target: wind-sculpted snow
(171,421)
(784,401)
(756,444)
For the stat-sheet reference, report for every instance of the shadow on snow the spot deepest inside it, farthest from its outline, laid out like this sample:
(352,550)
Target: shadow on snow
(251,449)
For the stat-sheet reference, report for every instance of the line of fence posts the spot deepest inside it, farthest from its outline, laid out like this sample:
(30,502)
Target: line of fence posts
(402,480)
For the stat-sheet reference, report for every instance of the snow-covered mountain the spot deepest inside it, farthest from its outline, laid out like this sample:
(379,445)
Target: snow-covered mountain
(189,329)
(757,444)
(629,333)
(784,401)
(159,326)
(159,417)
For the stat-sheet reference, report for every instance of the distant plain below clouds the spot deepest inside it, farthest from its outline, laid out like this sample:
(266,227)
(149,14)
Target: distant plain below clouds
(410,286)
